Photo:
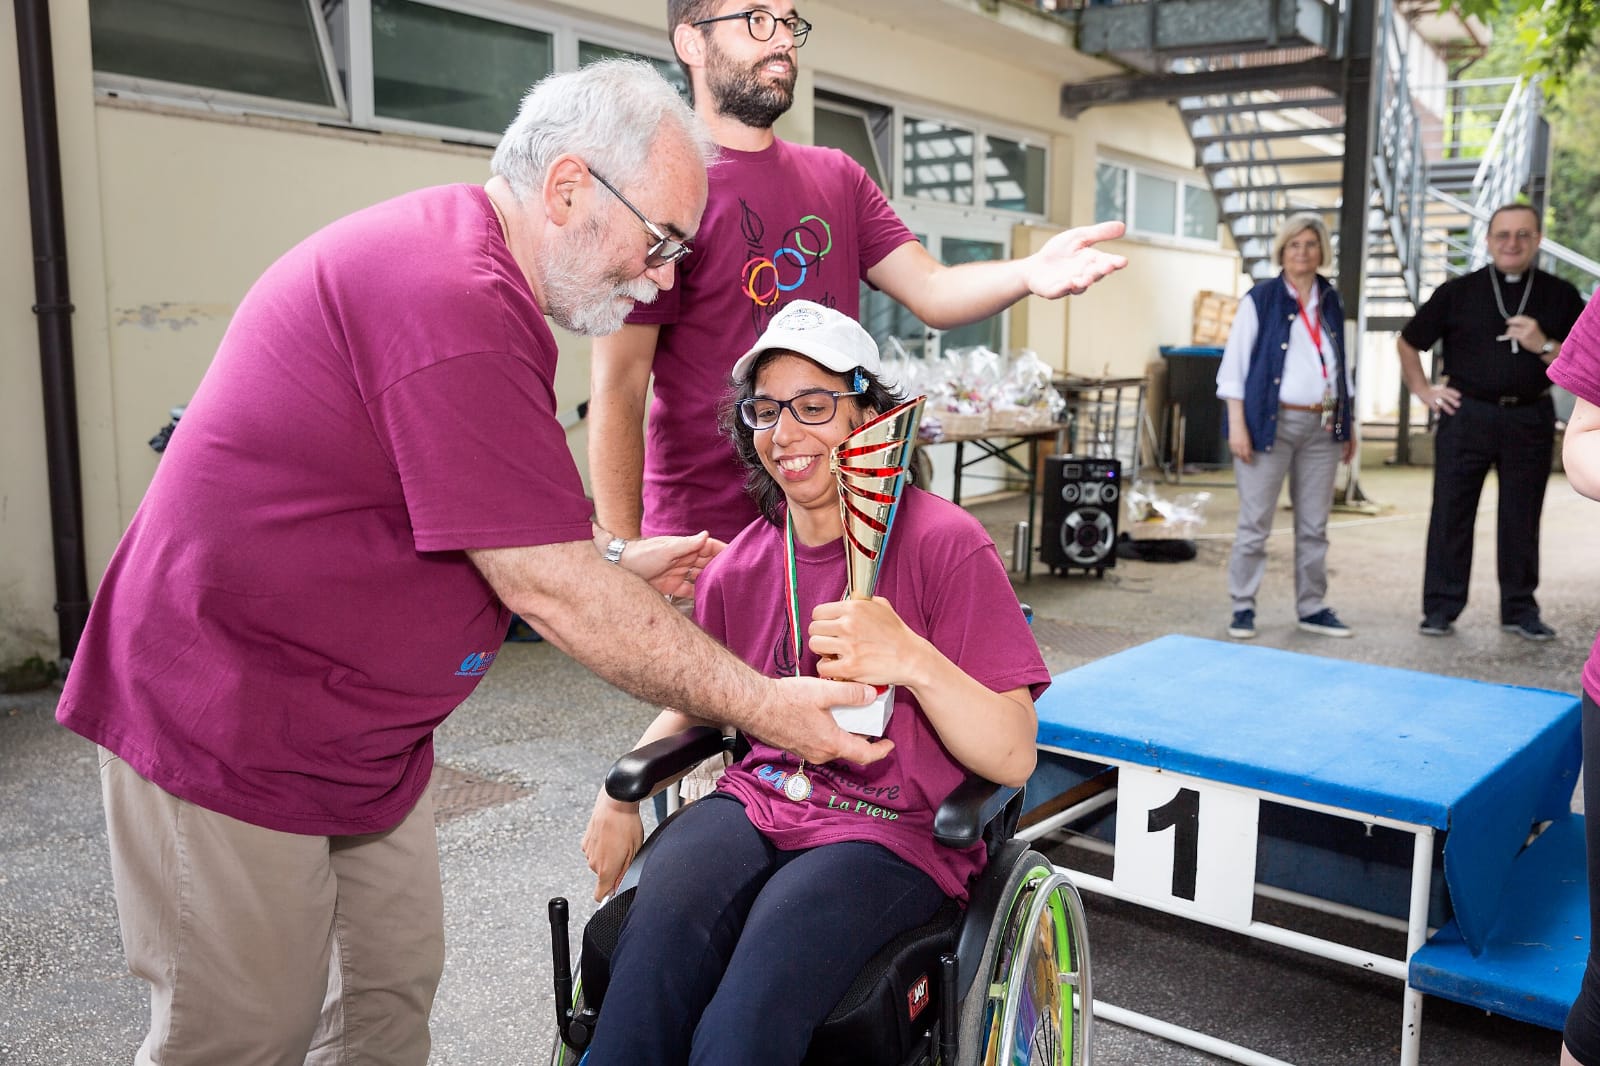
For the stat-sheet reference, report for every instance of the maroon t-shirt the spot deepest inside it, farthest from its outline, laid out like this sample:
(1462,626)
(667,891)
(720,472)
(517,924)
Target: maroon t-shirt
(786,223)
(946,582)
(1577,369)
(291,613)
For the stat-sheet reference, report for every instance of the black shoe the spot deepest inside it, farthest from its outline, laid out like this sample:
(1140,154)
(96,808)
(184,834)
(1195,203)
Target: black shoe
(1436,625)
(1529,629)
(1243,625)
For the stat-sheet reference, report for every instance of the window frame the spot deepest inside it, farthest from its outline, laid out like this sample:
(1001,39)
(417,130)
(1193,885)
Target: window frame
(225,101)
(344,41)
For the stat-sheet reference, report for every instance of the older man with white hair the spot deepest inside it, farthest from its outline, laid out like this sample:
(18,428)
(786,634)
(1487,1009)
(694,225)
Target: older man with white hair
(369,480)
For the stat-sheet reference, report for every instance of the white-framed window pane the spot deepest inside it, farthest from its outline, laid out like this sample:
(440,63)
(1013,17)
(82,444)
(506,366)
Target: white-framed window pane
(1015,175)
(1155,204)
(938,161)
(987,332)
(1110,193)
(848,132)
(589,52)
(264,48)
(1199,213)
(444,68)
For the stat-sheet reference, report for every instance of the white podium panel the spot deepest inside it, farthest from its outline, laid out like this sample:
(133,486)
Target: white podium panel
(1186,845)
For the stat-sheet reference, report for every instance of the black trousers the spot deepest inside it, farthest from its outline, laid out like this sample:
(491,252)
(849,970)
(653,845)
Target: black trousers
(1518,444)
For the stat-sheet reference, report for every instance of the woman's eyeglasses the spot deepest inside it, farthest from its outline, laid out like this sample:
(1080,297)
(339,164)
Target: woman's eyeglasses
(813,408)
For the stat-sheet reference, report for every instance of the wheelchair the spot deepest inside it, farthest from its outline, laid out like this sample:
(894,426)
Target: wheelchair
(1004,981)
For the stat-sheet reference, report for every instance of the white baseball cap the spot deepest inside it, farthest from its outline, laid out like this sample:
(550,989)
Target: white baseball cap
(821,334)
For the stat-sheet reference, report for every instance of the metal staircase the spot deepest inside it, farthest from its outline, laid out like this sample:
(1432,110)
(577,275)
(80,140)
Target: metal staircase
(1268,121)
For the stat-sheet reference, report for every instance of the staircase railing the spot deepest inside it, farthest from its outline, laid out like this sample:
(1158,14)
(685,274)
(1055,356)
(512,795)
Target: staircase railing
(1507,161)
(1399,167)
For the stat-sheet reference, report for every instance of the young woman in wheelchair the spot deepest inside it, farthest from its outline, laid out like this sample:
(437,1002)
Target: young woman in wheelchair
(762,901)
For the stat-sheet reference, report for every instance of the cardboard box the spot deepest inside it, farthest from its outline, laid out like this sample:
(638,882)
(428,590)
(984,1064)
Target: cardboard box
(1213,317)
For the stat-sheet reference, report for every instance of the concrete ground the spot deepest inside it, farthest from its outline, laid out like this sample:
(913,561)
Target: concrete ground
(521,760)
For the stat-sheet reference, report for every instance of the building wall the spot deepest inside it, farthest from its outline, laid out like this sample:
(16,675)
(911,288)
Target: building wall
(173,212)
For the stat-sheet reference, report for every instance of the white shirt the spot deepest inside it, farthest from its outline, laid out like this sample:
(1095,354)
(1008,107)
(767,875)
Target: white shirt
(1303,381)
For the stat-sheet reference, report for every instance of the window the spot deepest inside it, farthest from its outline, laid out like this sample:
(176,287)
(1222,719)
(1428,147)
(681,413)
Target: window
(591,51)
(1199,213)
(272,49)
(1014,176)
(454,69)
(443,68)
(1154,203)
(1110,193)
(937,161)
(860,130)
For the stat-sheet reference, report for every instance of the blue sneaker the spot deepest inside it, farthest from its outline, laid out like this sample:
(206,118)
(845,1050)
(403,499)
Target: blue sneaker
(1243,626)
(1325,623)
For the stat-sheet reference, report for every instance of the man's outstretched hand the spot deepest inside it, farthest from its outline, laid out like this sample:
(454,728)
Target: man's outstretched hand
(1069,262)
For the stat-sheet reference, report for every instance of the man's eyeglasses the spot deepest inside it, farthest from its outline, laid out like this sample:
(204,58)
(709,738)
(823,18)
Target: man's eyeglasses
(1521,236)
(815,408)
(667,249)
(763,24)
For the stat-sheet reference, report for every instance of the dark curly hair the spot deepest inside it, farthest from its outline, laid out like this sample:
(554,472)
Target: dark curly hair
(760,485)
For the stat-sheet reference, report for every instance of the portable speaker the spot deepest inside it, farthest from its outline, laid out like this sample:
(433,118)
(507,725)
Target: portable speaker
(1081,503)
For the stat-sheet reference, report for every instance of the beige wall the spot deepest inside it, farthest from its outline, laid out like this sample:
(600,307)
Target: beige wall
(173,213)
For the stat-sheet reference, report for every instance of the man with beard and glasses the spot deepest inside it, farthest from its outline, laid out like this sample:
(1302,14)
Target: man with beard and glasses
(370,478)
(783,222)
(1500,328)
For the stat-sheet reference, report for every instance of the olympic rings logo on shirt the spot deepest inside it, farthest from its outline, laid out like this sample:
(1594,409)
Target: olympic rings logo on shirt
(766,292)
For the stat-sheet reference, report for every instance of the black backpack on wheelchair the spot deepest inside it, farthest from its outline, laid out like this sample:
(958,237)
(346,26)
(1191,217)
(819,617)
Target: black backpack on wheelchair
(1004,980)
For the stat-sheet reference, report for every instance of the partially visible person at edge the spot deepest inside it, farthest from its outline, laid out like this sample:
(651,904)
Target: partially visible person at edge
(826,873)
(1501,327)
(1290,394)
(783,221)
(370,478)
(1578,371)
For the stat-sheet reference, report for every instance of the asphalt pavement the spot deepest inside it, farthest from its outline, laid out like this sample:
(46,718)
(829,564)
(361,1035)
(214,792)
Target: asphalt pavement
(522,759)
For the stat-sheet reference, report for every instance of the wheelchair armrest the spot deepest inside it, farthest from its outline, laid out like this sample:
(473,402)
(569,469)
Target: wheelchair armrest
(960,819)
(637,774)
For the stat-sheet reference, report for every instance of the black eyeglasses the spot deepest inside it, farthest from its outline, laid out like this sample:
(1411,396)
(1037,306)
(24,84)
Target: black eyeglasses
(815,408)
(763,24)
(667,249)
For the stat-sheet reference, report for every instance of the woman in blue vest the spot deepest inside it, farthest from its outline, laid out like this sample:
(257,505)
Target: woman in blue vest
(1289,392)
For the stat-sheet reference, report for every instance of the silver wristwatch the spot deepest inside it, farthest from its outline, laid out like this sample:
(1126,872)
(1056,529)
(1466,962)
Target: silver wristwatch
(614,550)
(1549,346)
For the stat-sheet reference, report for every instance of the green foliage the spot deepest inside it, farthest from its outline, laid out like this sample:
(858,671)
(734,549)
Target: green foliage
(1574,203)
(1553,35)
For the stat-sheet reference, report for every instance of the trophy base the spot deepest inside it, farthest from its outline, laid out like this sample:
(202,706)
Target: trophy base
(871,719)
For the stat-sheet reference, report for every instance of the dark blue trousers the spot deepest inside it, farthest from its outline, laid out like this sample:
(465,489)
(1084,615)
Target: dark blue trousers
(1518,443)
(734,951)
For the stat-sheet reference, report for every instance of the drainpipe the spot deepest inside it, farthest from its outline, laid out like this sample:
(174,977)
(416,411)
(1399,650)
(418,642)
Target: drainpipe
(53,310)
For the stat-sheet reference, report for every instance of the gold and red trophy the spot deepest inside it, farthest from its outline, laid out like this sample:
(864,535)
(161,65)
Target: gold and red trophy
(870,465)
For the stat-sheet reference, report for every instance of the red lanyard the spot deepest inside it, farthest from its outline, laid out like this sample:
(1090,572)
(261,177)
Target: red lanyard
(1314,329)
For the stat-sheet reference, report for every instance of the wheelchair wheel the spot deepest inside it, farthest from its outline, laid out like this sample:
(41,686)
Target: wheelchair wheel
(1038,1005)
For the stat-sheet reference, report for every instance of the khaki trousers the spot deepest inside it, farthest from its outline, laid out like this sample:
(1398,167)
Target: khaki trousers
(264,948)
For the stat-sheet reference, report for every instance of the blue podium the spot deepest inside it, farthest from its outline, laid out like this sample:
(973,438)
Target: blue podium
(1202,733)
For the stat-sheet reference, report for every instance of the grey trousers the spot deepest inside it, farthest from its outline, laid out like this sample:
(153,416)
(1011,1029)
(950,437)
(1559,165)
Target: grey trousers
(1309,456)
(274,949)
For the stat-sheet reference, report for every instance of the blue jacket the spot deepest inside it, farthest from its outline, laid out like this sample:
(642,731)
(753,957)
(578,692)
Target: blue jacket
(1276,310)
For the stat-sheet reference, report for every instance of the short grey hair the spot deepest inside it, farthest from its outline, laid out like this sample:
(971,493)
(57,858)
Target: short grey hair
(611,114)
(1297,224)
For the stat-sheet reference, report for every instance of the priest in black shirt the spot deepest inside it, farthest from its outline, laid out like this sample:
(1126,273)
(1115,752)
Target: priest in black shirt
(1500,327)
